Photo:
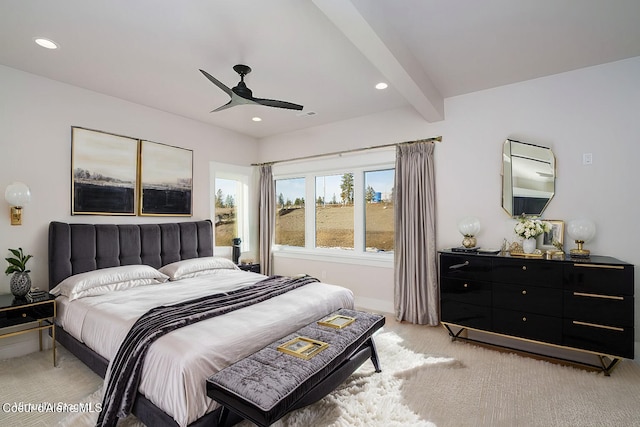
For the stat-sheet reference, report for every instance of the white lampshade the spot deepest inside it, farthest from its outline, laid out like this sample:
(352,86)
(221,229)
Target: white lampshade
(469,226)
(17,194)
(581,229)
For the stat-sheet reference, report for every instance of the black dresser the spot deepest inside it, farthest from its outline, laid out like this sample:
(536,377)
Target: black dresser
(584,305)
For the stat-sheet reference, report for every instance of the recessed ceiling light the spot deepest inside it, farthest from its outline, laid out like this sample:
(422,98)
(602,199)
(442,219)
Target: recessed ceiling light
(381,86)
(306,113)
(256,119)
(46,43)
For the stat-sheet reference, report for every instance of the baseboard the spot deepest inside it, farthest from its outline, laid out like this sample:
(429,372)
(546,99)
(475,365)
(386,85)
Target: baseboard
(373,304)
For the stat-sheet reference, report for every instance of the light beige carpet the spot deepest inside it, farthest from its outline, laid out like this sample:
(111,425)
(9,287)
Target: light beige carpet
(486,387)
(32,379)
(468,386)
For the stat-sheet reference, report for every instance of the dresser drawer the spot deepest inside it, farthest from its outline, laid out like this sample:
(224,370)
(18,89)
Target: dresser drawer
(602,279)
(528,272)
(596,308)
(465,267)
(528,325)
(599,338)
(527,298)
(469,291)
(470,315)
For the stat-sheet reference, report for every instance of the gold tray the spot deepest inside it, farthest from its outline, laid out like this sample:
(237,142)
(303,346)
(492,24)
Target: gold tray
(303,347)
(338,321)
(523,255)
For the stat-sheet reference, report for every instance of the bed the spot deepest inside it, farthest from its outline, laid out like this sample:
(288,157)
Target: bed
(93,320)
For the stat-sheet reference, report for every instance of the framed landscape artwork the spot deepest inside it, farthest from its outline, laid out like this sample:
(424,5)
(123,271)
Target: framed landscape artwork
(166,176)
(104,173)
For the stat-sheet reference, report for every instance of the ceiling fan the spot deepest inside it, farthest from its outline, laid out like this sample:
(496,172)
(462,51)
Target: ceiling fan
(241,94)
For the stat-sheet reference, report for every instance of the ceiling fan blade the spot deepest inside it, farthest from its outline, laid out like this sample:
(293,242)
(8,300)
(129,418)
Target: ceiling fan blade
(225,106)
(278,104)
(217,83)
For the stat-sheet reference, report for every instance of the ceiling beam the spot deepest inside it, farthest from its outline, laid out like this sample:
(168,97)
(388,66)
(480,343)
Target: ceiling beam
(364,26)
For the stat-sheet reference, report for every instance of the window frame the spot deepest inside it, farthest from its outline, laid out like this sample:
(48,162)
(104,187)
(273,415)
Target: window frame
(358,164)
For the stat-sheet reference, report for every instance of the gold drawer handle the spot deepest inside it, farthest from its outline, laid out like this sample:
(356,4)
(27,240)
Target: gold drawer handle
(582,294)
(524,319)
(594,325)
(466,285)
(457,266)
(613,267)
(524,268)
(524,292)
(24,314)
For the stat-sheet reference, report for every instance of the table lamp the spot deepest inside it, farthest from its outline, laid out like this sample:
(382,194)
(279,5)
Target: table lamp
(581,230)
(469,226)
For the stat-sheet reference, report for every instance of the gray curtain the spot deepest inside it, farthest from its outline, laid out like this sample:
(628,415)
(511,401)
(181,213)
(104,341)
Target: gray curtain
(267,218)
(416,297)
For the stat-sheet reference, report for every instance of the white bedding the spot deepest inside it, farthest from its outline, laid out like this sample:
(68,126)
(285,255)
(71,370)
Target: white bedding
(178,364)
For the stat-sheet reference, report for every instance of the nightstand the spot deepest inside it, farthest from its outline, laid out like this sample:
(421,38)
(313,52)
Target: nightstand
(15,312)
(254,268)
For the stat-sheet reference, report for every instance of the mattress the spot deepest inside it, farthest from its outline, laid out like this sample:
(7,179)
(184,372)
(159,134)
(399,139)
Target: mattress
(177,365)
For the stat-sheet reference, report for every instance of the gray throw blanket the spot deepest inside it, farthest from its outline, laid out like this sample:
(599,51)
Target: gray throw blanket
(126,366)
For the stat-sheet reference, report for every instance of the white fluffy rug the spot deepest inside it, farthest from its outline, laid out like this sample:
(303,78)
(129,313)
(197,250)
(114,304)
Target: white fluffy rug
(365,399)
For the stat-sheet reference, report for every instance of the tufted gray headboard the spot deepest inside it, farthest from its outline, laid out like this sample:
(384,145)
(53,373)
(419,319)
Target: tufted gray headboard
(76,248)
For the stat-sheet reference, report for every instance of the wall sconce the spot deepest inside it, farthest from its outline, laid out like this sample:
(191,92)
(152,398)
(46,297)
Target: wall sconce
(17,195)
(581,230)
(469,227)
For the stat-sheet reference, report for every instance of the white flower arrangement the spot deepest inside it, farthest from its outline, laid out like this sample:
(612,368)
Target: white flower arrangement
(528,228)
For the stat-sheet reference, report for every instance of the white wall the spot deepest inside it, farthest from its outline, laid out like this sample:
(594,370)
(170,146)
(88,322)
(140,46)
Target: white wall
(593,110)
(36,116)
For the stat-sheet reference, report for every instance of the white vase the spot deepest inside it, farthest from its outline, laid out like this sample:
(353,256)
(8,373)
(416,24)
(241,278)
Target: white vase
(529,245)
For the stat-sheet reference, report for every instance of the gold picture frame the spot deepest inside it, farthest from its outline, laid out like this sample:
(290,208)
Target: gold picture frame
(545,240)
(302,347)
(337,322)
(166,180)
(104,177)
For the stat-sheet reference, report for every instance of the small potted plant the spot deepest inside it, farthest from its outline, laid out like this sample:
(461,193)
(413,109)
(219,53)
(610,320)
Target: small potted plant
(20,281)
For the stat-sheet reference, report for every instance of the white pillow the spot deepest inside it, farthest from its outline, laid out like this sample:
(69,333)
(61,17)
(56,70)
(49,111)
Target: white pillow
(105,280)
(196,267)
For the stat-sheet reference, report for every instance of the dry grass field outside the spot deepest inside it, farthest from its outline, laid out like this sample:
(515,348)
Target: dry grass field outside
(225,224)
(334,226)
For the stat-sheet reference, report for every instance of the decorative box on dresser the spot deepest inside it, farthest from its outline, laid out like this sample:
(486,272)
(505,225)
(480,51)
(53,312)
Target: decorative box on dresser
(585,305)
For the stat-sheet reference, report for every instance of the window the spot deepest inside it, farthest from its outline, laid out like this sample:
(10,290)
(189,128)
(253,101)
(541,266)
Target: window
(226,211)
(290,212)
(379,214)
(334,211)
(351,216)
(231,212)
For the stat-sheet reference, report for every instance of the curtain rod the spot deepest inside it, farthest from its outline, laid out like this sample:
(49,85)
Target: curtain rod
(354,150)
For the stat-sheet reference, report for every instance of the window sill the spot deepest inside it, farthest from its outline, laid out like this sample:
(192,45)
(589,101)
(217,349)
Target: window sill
(383,260)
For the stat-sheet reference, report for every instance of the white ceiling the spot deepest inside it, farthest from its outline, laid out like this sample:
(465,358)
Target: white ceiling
(324,54)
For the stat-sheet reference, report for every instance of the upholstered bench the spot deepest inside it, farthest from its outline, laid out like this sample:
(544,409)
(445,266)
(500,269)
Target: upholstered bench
(270,383)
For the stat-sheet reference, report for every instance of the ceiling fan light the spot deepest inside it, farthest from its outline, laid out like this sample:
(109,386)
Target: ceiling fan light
(46,43)
(381,86)
(256,119)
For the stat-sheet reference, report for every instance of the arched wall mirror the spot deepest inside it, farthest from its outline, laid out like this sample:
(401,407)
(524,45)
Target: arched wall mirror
(528,178)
